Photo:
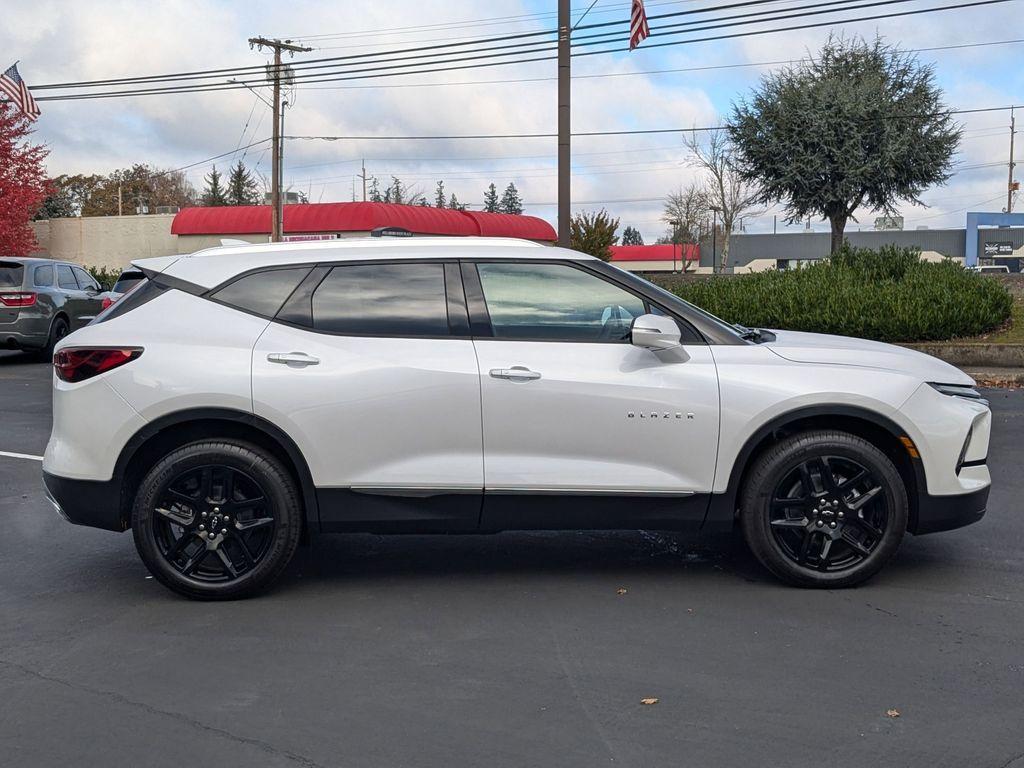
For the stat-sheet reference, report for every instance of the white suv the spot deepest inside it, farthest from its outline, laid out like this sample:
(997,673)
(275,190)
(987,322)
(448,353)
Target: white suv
(243,397)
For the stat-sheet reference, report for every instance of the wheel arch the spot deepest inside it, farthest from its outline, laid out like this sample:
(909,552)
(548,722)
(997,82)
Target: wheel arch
(879,430)
(176,429)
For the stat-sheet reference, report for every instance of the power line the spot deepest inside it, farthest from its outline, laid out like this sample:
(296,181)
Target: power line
(631,132)
(674,70)
(374,73)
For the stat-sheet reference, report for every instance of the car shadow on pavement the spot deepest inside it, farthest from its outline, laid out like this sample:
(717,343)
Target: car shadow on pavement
(345,558)
(16,358)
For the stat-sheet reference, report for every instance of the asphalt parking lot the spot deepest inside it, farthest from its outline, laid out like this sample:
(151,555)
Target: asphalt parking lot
(508,650)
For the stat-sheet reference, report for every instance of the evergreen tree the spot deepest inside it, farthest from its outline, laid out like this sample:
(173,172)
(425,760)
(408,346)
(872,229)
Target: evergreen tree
(439,201)
(860,126)
(242,188)
(375,196)
(631,236)
(454,203)
(214,194)
(510,200)
(491,199)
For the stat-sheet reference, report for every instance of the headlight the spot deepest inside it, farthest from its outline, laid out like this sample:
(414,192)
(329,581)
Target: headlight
(959,390)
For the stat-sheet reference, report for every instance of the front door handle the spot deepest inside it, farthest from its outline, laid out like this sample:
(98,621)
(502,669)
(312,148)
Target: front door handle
(515,373)
(296,359)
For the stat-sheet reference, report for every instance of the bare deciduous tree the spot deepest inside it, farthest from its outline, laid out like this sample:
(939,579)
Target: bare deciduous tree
(688,208)
(724,188)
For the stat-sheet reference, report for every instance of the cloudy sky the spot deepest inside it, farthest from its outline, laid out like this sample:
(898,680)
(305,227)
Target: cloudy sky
(59,41)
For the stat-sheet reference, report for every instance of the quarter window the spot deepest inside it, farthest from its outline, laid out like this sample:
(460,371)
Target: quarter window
(382,300)
(262,292)
(66,278)
(42,277)
(556,302)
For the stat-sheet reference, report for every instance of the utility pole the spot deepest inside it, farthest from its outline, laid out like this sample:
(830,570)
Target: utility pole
(564,123)
(1010,186)
(362,176)
(277,214)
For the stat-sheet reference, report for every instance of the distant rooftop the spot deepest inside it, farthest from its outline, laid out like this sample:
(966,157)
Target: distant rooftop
(318,218)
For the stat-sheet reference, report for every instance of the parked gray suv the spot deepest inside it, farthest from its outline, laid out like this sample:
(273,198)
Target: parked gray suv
(42,301)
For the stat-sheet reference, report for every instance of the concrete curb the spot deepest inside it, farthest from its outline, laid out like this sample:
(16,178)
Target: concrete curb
(974,354)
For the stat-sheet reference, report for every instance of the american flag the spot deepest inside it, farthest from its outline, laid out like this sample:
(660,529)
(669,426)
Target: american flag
(14,87)
(638,29)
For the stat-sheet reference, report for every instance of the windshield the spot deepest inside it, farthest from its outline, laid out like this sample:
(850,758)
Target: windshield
(11,274)
(673,301)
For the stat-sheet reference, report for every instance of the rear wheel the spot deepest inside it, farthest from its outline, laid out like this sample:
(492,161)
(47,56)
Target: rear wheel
(824,509)
(58,331)
(217,520)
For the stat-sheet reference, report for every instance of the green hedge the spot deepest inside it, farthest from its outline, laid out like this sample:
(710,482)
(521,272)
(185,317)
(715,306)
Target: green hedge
(104,276)
(888,295)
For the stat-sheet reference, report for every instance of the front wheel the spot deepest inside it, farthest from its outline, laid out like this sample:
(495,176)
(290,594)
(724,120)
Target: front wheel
(217,520)
(823,509)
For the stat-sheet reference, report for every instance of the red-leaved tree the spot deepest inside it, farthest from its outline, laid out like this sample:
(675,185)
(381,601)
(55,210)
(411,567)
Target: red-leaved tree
(23,183)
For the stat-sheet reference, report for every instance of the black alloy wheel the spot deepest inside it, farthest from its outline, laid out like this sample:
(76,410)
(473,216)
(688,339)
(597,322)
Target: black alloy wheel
(213,523)
(217,519)
(829,513)
(823,509)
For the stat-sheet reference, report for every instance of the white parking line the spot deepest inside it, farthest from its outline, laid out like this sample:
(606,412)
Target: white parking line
(28,456)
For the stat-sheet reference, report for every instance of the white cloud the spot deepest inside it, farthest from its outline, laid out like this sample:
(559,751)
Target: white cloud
(59,41)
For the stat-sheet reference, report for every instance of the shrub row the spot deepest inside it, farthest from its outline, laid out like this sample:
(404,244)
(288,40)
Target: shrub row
(887,295)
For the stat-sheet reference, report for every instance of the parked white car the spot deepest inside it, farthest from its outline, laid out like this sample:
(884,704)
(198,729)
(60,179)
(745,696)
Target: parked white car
(244,397)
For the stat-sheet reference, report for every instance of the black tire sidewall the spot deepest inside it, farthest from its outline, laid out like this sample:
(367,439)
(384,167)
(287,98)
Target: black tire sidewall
(53,338)
(769,469)
(278,487)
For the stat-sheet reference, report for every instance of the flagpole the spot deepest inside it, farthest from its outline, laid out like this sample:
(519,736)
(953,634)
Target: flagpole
(564,124)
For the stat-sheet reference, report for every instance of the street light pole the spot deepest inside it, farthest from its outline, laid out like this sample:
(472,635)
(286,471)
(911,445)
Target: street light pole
(714,238)
(675,223)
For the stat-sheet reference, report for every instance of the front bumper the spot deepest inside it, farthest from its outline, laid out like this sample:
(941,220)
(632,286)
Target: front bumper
(93,503)
(944,513)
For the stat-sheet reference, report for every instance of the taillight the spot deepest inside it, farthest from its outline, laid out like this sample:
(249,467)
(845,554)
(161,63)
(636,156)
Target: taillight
(79,364)
(18,299)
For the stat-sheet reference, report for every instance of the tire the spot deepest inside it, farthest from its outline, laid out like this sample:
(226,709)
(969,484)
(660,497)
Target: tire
(58,330)
(862,511)
(228,524)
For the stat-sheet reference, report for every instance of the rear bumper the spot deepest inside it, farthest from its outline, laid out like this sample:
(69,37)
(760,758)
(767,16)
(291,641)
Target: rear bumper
(10,338)
(93,503)
(944,513)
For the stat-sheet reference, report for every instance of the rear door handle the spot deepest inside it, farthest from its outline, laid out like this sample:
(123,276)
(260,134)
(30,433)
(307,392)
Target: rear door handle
(296,359)
(515,373)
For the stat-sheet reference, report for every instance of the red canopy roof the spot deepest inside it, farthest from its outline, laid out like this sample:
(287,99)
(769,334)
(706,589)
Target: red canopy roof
(358,217)
(689,251)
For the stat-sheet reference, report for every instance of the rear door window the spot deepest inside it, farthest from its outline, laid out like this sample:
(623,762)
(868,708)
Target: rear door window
(42,277)
(11,274)
(66,278)
(404,300)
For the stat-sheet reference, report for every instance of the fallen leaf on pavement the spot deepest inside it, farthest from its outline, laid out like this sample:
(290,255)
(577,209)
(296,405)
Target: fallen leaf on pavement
(892,713)
(650,700)
(620,591)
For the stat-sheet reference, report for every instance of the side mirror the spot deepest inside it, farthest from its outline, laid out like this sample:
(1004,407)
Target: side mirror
(655,332)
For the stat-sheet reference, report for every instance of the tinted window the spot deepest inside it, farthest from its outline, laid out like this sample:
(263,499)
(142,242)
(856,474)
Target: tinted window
(85,279)
(262,292)
(127,280)
(11,274)
(142,293)
(556,302)
(382,299)
(66,278)
(42,277)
